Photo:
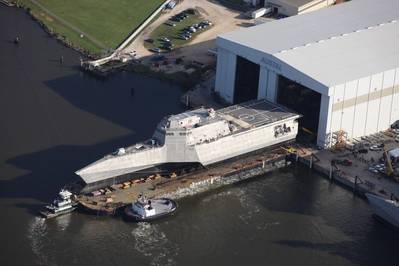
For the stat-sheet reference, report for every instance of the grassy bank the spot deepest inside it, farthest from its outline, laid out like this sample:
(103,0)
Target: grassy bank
(106,23)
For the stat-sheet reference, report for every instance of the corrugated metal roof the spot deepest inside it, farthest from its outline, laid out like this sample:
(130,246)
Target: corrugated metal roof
(334,44)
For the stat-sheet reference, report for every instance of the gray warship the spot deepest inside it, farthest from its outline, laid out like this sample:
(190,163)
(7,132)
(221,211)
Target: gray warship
(203,136)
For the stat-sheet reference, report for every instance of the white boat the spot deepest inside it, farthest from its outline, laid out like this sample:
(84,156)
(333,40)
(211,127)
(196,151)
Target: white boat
(61,205)
(144,210)
(386,209)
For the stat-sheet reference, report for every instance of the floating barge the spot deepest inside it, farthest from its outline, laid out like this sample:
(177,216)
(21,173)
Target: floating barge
(115,197)
(190,153)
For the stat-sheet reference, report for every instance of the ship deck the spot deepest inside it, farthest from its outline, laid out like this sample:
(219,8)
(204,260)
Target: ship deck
(258,112)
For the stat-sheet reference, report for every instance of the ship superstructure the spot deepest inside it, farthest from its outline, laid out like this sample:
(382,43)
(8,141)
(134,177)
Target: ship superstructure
(203,136)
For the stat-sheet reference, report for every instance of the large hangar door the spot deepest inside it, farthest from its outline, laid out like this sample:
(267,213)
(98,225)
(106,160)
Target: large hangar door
(247,80)
(302,100)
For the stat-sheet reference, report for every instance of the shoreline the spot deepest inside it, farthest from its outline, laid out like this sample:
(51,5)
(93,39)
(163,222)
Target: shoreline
(180,78)
(57,36)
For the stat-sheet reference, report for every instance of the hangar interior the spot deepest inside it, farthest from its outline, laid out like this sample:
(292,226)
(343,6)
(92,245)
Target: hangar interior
(246,81)
(303,100)
(291,94)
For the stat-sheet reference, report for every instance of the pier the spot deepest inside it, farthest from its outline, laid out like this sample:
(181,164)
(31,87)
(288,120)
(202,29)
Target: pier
(357,175)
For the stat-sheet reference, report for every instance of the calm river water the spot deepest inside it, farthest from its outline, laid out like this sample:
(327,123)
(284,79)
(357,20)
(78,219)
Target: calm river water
(55,119)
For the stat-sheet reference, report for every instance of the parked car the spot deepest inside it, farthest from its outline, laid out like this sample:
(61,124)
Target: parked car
(183,37)
(170,24)
(155,50)
(168,44)
(176,18)
(344,162)
(376,147)
(165,39)
(362,151)
(149,40)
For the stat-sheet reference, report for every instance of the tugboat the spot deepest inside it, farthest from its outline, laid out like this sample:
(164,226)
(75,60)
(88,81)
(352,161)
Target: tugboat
(144,210)
(61,205)
(386,209)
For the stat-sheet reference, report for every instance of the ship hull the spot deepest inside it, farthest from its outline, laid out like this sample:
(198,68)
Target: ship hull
(47,214)
(384,209)
(166,168)
(176,167)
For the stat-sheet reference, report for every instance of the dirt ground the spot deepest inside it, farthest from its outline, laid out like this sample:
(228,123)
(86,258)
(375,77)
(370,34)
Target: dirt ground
(223,19)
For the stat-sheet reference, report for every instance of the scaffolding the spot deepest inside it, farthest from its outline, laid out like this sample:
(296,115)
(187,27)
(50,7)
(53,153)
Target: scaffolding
(339,139)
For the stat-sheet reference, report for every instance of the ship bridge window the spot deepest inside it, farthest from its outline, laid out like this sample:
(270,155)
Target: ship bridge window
(182,133)
(169,134)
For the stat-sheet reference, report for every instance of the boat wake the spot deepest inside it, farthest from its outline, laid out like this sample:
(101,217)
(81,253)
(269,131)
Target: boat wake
(217,196)
(37,233)
(249,204)
(151,242)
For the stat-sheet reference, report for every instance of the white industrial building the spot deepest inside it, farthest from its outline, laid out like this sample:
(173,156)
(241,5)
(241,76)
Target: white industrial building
(292,7)
(338,66)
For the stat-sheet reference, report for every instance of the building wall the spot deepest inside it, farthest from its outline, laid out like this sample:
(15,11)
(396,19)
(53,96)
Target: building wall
(270,68)
(364,106)
(283,8)
(225,78)
(359,107)
(291,10)
(315,5)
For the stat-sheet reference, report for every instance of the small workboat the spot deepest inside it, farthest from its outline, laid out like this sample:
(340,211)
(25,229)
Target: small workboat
(386,209)
(145,210)
(61,205)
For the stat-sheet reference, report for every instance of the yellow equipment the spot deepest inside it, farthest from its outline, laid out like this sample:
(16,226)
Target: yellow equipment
(388,164)
(339,138)
(289,149)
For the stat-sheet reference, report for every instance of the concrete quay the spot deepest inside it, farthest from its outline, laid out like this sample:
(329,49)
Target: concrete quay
(356,177)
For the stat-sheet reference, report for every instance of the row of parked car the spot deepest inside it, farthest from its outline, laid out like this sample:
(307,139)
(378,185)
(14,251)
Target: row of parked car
(186,33)
(183,15)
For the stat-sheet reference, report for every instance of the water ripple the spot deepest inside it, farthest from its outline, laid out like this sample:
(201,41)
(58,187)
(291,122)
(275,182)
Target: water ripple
(37,233)
(152,242)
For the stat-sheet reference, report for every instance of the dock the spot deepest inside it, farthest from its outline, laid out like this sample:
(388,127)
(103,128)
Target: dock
(359,176)
(174,186)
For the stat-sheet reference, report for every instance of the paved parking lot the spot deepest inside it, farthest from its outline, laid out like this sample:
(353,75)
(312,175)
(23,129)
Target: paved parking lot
(223,19)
